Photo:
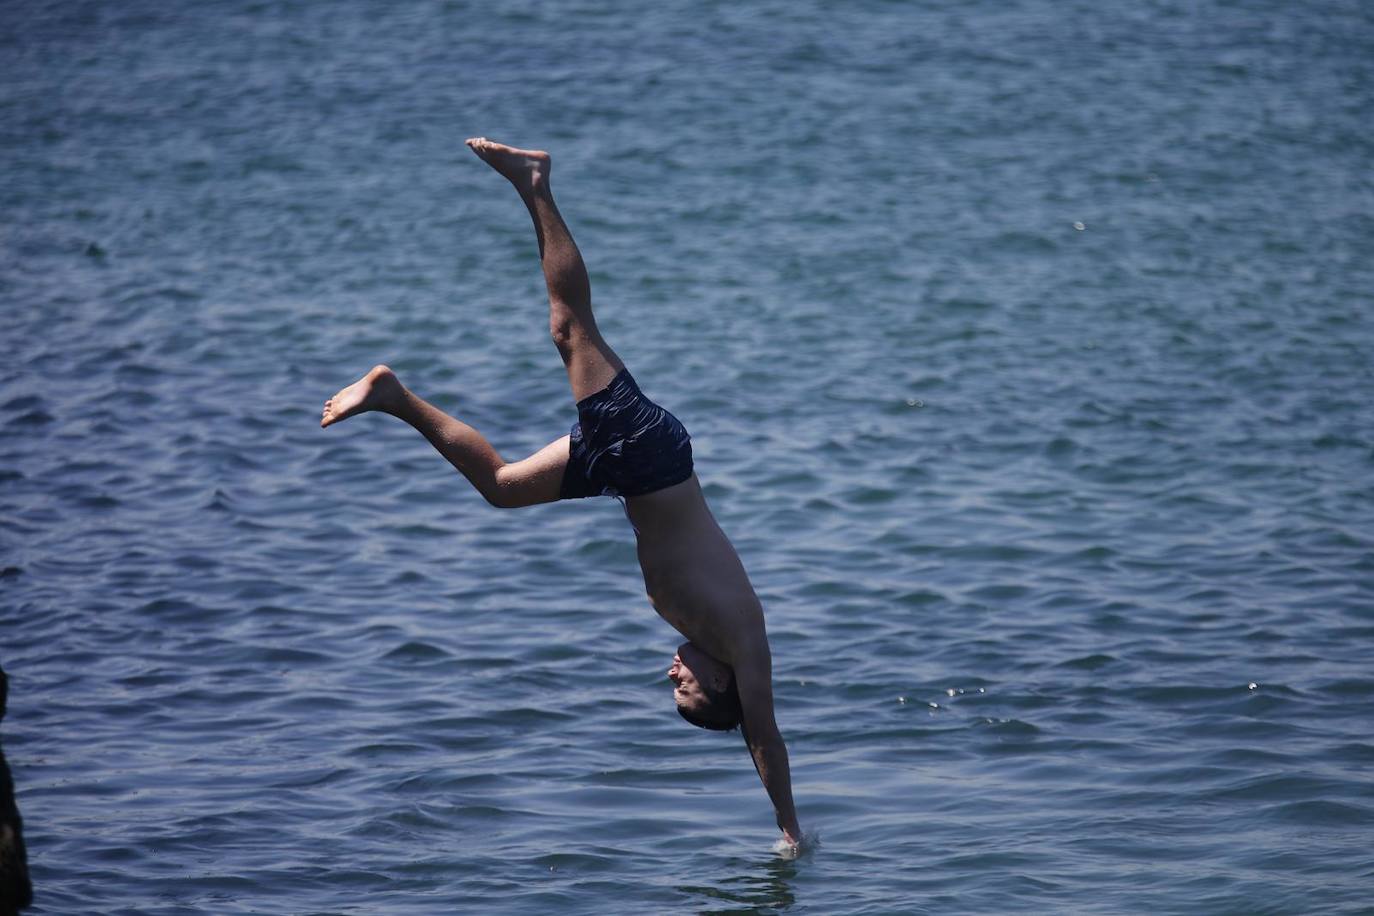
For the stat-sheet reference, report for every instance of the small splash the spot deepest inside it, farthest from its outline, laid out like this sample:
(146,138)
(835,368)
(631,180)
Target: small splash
(810,841)
(1079,225)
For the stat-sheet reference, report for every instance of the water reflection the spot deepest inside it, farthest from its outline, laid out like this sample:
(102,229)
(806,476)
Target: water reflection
(762,885)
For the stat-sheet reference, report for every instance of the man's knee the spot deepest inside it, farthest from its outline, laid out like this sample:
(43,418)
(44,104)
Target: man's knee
(565,333)
(571,331)
(503,497)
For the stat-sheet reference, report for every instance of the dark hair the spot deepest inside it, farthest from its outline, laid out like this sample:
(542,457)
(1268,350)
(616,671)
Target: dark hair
(722,712)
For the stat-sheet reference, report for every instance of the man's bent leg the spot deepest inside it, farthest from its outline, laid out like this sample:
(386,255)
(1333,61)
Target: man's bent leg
(590,361)
(536,479)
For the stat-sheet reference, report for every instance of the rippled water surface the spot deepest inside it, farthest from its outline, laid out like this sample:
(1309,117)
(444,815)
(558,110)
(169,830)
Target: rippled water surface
(1027,352)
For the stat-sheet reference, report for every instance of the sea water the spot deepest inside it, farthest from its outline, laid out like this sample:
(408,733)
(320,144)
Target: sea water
(1026,348)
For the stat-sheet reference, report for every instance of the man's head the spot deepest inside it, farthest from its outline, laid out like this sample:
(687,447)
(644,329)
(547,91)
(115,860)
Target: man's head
(704,689)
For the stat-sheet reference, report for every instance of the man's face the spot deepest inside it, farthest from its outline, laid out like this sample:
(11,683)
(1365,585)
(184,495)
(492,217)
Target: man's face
(690,667)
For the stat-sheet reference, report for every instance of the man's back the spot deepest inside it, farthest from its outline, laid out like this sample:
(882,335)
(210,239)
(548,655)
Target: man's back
(693,576)
(697,583)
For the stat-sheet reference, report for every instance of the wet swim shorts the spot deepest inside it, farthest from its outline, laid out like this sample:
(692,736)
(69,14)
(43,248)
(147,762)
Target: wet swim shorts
(623,444)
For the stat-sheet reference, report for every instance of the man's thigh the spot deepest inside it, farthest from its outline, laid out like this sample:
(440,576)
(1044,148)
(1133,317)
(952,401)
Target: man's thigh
(536,479)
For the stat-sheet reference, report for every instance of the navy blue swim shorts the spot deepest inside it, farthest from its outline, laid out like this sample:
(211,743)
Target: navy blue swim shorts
(623,444)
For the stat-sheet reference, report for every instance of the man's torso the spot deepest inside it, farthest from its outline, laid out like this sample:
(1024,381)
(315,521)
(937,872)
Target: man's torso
(693,576)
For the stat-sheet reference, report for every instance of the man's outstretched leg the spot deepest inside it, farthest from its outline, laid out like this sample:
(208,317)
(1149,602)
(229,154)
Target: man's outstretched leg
(523,483)
(590,361)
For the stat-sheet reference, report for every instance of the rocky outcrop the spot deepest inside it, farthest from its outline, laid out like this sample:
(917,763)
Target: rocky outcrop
(15,890)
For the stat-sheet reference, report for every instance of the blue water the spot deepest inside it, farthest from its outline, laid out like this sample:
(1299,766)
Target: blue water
(1026,348)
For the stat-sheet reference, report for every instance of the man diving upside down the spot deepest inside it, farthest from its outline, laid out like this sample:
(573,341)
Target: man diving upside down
(627,446)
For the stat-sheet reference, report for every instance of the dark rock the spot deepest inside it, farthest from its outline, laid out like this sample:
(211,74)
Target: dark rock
(15,890)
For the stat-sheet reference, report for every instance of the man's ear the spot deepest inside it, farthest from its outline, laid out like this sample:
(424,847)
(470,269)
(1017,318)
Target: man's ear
(721,675)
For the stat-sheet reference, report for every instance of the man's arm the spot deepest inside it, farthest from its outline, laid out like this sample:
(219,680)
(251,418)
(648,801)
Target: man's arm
(754,680)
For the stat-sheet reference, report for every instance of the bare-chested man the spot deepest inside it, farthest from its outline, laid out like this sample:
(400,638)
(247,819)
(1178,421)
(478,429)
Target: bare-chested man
(622,445)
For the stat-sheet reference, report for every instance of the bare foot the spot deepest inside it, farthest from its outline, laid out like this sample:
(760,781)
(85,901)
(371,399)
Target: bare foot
(380,389)
(527,169)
